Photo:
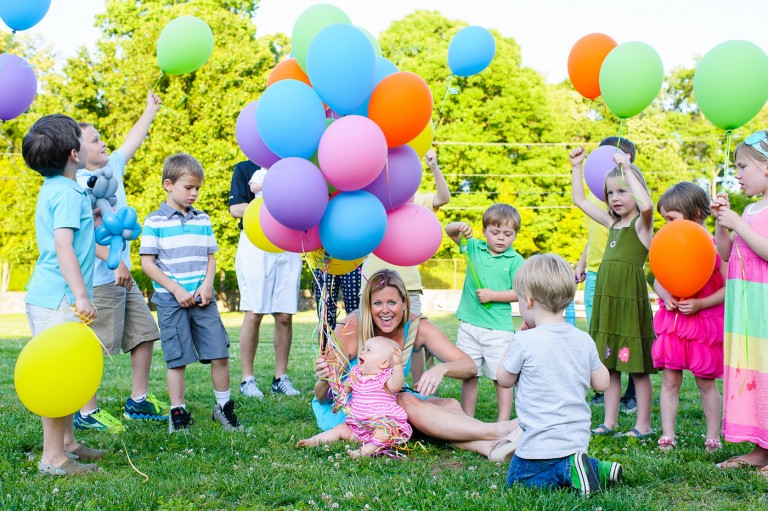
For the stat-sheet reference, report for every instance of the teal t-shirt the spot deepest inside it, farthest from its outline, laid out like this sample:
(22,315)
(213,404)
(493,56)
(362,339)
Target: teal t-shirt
(61,204)
(496,272)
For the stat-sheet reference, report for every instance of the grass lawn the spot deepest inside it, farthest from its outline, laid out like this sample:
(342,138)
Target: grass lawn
(261,468)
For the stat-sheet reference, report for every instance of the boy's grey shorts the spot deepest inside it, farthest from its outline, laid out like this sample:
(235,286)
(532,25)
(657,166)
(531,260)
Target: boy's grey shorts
(189,335)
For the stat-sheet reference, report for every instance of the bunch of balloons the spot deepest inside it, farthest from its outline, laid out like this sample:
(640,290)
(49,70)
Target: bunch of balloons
(338,119)
(18,83)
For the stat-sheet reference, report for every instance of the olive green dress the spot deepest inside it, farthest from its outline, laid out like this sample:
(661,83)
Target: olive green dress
(622,321)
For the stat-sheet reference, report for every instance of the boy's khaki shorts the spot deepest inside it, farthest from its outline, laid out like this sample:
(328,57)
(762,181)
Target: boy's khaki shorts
(123,320)
(483,345)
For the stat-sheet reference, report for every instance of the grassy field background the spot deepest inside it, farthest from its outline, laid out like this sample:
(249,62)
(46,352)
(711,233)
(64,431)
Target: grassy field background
(261,468)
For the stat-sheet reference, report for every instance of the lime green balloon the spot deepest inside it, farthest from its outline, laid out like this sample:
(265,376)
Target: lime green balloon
(372,38)
(630,78)
(184,45)
(731,83)
(308,24)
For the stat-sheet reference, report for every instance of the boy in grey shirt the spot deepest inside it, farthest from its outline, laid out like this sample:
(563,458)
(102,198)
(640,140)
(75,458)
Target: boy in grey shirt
(555,420)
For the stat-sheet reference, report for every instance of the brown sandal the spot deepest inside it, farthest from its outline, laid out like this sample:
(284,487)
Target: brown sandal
(734,462)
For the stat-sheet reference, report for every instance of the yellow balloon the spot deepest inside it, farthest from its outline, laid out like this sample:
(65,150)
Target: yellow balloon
(320,258)
(252,227)
(423,140)
(59,370)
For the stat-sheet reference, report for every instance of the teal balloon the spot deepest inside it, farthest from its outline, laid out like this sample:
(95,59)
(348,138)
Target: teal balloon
(184,45)
(308,24)
(631,78)
(23,14)
(731,83)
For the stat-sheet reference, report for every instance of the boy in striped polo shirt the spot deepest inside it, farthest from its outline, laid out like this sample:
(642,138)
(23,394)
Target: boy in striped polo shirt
(177,253)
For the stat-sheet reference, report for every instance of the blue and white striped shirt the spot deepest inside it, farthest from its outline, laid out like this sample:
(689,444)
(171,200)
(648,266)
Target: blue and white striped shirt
(180,243)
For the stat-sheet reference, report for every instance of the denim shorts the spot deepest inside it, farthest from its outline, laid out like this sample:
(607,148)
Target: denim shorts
(552,473)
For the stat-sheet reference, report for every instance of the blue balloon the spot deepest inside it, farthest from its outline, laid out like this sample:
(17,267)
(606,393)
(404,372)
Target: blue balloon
(24,14)
(353,225)
(341,64)
(384,68)
(290,118)
(471,50)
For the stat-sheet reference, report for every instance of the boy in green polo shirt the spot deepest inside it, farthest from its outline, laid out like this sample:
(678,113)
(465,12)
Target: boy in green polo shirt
(485,311)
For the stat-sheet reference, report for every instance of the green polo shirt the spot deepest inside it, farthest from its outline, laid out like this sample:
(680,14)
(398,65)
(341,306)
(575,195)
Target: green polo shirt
(496,272)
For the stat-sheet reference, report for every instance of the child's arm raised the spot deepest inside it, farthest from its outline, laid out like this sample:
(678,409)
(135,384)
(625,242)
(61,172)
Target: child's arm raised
(397,379)
(138,132)
(644,228)
(577,191)
(443,193)
(154,272)
(70,270)
(455,230)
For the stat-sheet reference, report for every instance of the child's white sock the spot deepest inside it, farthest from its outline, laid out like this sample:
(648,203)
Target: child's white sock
(140,399)
(89,413)
(221,397)
(183,405)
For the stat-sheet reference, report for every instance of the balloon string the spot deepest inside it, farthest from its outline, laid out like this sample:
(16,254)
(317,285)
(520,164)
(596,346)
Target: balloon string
(162,74)
(448,90)
(746,314)
(7,48)
(386,175)
(726,161)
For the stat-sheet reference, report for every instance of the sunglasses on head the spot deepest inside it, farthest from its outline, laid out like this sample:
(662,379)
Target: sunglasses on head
(755,142)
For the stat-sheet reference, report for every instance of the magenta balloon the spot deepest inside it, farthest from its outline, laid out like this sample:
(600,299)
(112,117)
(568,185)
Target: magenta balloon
(599,163)
(399,179)
(288,239)
(295,193)
(250,141)
(352,152)
(413,236)
(18,86)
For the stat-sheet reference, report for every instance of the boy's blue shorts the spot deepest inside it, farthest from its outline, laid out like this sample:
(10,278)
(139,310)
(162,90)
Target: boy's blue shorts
(192,334)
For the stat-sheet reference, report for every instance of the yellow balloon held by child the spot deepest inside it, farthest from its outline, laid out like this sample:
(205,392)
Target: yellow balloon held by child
(59,370)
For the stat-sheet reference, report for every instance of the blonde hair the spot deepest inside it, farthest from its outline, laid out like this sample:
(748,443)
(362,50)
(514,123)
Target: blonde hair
(390,344)
(619,173)
(378,281)
(500,214)
(546,279)
(687,198)
(179,165)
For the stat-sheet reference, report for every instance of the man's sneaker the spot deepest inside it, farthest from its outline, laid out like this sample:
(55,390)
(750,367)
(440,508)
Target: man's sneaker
(180,420)
(583,476)
(100,420)
(149,409)
(609,473)
(226,416)
(598,400)
(628,405)
(248,388)
(283,385)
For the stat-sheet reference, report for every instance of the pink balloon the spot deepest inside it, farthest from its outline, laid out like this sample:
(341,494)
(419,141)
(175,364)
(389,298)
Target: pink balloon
(288,239)
(352,152)
(249,140)
(413,236)
(399,179)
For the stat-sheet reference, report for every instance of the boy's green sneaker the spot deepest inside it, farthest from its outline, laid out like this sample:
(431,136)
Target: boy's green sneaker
(100,420)
(583,476)
(149,409)
(609,473)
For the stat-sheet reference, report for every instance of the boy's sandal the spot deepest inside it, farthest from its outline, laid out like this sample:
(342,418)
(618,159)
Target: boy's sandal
(667,443)
(601,430)
(735,462)
(69,467)
(712,445)
(634,433)
(84,452)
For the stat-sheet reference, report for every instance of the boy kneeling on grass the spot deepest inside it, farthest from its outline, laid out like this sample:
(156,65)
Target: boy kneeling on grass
(553,365)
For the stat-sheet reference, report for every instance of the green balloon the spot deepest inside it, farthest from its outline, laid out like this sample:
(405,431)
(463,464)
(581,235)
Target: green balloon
(374,41)
(731,83)
(630,78)
(308,24)
(185,44)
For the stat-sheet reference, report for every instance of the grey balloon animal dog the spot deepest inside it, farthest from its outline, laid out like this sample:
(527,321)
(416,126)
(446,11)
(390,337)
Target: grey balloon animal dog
(101,189)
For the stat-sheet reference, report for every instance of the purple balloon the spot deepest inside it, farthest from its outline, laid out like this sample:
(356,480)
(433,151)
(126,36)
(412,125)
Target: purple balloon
(18,86)
(250,141)
(399,179)
(599,163)
(295,193)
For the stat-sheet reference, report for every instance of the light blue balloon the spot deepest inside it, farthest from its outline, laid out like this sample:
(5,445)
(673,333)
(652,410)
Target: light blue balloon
(384,68)
(23,14)
(341,64)
(353,225)
(290,118)
(471,50)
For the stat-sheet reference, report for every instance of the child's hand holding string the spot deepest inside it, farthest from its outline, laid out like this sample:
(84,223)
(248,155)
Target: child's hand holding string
(689,306)
(621,160)
(84,309)
(720,202)
(577,156)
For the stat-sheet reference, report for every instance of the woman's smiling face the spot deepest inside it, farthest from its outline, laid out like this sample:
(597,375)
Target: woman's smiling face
(387,308)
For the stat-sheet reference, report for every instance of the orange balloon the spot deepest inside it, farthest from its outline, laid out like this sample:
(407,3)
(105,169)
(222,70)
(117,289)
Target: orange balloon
(682,257)
(584,63)
(288,70)
(401,104)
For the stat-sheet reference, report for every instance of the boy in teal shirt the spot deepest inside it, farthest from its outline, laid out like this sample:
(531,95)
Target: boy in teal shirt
(486,326)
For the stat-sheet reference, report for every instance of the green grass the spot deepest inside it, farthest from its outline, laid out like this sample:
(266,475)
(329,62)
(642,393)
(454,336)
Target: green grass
(261,469)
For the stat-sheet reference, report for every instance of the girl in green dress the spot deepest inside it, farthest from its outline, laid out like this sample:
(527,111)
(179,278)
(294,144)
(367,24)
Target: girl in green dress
(622,321)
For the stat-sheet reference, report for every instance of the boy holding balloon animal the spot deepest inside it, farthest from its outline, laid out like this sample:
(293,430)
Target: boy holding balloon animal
(485,308)
(177,253)
(62,282)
